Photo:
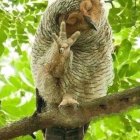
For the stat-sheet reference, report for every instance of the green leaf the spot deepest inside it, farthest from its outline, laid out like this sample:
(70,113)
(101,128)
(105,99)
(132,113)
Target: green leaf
(14,43)
(1,49)
(6,90)
(3,36)
(124,51)
(127,123)
(133,69)
(123,70)
(136,124)
(3,118)
(20,28)
(31,28)
(15,81)
(18,49)
(125,84)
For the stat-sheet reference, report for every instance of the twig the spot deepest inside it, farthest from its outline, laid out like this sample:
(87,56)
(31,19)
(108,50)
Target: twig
(110,1)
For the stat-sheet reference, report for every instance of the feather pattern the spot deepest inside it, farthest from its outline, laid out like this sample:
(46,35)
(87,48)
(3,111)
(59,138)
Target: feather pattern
(90,70)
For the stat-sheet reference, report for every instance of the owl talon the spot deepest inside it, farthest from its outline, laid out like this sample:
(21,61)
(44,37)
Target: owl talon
(68,102)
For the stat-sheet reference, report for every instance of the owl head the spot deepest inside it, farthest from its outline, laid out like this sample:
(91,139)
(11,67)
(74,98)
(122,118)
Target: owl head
(79,15)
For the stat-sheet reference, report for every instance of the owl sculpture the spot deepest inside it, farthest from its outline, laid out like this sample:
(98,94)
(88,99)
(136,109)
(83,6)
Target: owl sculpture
(71,57)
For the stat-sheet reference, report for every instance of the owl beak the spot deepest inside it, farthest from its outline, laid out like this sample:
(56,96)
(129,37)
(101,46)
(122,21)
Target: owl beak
(91,23)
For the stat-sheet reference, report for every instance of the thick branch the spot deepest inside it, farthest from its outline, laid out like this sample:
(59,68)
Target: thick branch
(70,117)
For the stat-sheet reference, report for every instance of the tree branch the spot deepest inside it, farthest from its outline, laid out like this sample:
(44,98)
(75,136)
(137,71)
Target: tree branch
(69,117)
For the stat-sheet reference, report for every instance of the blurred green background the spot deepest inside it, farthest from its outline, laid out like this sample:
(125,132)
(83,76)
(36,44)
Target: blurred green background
(18,22)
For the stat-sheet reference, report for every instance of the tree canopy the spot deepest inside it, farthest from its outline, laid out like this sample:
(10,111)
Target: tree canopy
(18,22)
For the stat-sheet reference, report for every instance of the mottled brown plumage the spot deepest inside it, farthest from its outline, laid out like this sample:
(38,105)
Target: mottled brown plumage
(71,55)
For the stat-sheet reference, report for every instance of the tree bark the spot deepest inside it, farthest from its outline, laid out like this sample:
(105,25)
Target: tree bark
(69,117)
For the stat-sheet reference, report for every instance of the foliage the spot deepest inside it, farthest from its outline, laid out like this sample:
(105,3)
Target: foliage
(19,20)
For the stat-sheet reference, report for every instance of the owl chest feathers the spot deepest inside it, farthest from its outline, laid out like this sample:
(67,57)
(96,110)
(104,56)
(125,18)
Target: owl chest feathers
(87,78)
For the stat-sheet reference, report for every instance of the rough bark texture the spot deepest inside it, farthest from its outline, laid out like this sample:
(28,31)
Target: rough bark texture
(71,118)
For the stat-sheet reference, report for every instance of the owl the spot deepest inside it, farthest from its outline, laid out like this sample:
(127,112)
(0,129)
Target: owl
(71,54)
